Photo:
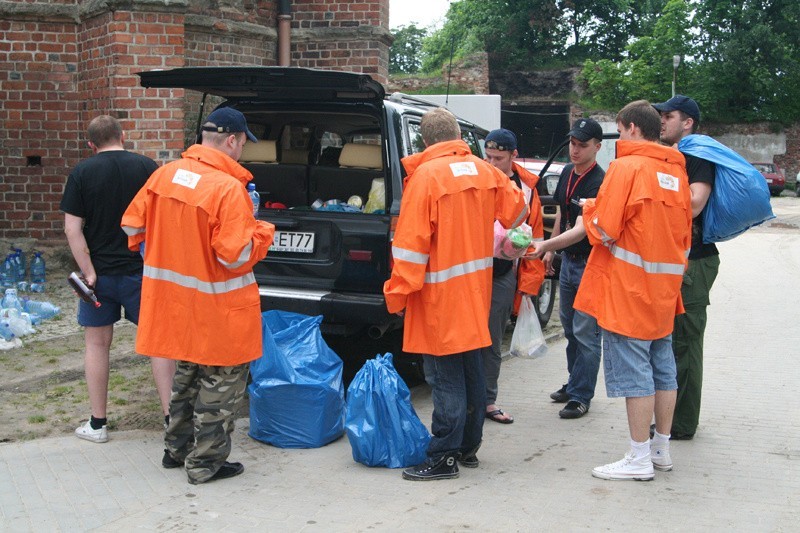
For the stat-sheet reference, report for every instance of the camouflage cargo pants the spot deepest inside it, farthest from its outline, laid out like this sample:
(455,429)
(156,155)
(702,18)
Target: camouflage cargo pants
(202,409)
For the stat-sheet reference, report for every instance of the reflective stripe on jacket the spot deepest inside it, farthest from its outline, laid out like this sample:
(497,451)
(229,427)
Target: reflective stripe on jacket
(640,230)
(200,301)
(442,249)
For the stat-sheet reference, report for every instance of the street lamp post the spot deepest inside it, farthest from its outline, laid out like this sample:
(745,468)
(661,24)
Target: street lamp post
(676,60)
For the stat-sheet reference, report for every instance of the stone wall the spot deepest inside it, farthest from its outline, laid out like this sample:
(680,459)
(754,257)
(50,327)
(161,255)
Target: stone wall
(469,75)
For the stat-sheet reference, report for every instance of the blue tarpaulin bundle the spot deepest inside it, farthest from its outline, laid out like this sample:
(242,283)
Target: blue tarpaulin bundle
(297,394)
(740,197)
(381,424)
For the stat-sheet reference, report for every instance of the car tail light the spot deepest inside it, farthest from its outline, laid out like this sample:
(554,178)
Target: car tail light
(359,255)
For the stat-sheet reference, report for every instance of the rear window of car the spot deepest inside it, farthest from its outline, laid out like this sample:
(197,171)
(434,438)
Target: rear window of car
(764,167)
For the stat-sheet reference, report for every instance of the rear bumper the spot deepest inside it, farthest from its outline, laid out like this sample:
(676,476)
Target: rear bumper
(342,312)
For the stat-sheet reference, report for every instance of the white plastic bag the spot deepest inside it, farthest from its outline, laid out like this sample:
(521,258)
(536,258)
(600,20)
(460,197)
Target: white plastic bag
(528,339)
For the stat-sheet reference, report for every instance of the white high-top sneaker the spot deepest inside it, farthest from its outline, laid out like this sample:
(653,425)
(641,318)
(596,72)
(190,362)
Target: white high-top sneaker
(638,469)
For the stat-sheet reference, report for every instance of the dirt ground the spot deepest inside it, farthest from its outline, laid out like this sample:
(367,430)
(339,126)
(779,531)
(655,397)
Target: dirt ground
(43,391)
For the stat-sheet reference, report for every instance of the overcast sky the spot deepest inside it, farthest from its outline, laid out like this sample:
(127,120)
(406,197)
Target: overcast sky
(423,13)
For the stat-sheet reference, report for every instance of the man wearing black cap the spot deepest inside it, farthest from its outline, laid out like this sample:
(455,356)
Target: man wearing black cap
(579,180)
(680,116)
(200,304)
(509,277)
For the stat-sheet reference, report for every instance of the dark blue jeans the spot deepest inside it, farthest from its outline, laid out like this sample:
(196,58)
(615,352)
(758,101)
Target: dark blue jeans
(581,331)
(459,402)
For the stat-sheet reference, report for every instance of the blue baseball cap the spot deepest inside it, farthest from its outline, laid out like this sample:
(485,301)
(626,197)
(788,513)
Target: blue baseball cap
(501,139)
(680,103)
(228,120)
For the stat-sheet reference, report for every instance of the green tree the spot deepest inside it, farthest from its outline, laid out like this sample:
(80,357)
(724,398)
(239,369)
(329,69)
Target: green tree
(405,55)
(521,33)
(749,59)
(646,72)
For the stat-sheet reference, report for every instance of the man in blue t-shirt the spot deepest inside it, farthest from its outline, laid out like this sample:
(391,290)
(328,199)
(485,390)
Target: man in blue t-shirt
(97,192)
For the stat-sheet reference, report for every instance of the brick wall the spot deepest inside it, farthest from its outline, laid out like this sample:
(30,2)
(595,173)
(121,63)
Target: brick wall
(63,62)
(40,113)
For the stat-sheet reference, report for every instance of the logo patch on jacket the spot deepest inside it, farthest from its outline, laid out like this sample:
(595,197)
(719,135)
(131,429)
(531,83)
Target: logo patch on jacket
(467,168)
(186,178)
(667,181)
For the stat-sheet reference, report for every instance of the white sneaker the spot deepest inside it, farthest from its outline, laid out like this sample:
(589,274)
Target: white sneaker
(660,457)
(86,432)
(640,469)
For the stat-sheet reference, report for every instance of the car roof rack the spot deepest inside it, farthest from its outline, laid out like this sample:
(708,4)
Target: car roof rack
(403,98)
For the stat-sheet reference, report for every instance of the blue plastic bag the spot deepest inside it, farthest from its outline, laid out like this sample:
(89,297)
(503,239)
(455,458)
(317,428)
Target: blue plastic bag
(296,394)
(381,424)
(740,197)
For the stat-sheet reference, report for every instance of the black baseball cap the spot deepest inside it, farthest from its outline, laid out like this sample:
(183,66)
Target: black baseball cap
(585,129)
(680,103)
(501,139)
(229,120)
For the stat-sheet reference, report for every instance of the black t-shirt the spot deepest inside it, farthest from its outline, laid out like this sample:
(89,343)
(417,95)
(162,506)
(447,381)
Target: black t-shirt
(700,171)
(502,266)
(583,186)
(99,190)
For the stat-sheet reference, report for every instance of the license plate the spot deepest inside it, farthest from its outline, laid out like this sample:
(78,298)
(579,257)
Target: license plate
(293,241)
(769,180)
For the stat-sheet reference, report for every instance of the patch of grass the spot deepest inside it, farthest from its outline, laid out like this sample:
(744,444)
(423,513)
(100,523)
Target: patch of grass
(119,401)
(60,411)
(53,360)
(37,419)
(18,368)
(57,392)
(52,351)
(115,380)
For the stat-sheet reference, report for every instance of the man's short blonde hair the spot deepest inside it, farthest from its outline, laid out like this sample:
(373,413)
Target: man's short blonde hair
(439,125)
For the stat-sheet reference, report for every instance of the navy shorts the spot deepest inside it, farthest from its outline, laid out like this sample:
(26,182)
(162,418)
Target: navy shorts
(114,293)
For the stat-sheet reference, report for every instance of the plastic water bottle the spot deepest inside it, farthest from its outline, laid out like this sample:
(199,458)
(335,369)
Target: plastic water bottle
(7,277)
(254,197)
(11,301)
(45,310)
(38,273)
(5,330)
(20,326)
(21,264)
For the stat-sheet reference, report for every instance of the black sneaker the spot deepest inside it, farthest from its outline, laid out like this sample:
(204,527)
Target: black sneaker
(469,459)
(573,409)
(560,396)
(170,462)
(225,471)
(445,467)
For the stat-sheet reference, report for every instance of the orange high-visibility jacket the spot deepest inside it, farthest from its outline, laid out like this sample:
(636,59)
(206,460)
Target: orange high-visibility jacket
(200,300)
(530,272)
(640,229)
(442,249)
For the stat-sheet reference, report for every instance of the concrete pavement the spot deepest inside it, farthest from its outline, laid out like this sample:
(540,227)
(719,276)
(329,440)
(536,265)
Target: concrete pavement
(741,472)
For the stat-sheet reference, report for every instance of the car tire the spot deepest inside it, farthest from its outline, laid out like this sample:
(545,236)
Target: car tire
(544,301)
